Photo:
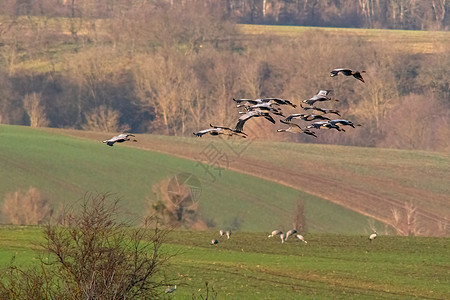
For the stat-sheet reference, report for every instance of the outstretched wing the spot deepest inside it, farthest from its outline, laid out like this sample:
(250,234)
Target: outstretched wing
(358,76)
(324,93)
(282,101)
(346,72)
(244,118)
(202,132)
(290,124)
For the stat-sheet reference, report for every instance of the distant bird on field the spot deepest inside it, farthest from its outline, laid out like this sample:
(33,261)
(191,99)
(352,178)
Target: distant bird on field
(322,110)
(119,139)
(373,236)
(221,232)
(228,233)
(322,95)
(216,130)
(251,114)
(301,238)
(348,72)
(295,128)
(282,237)
(275,232)
(290,232)
(306,117)
(214,242)
(170,289)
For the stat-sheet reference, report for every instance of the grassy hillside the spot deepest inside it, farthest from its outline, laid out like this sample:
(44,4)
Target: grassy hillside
(64,168)
(371,181)
(409,41)
(251,266)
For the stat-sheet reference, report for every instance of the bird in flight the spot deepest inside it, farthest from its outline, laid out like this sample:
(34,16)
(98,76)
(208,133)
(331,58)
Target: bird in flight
(325,125)
(119,139)
(294,128)
(343,122)
(265,100)
(322,95)
(322,110)
(216,130)
(306,117)
(251,114)
(348,72)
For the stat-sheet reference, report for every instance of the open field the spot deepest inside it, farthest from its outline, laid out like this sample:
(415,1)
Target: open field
(371,181)
(409,41)
(251,266)
(64,168)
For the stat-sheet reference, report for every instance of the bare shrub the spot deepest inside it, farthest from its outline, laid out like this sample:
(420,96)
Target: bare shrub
(93,255)
(32,103)
(28,208)
(405,220)
(104,119)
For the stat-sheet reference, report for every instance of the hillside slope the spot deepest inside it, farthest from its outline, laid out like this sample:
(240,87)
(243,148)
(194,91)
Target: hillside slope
(372,181)
(64,168)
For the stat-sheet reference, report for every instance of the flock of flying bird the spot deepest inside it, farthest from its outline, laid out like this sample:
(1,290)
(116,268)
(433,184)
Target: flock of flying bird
(266,107)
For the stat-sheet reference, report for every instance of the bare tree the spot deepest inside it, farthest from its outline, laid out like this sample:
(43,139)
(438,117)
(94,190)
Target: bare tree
(104,119)
(32,104)
(93,255)
(29,208)
(175,205)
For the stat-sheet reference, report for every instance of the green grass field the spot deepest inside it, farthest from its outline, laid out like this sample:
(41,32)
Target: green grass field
(252,266)
(64,168)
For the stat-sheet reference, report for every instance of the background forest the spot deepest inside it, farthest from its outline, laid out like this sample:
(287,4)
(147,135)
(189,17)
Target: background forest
(173,67)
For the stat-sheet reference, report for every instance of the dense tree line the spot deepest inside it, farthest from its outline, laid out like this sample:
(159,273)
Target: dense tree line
(393,14)
(172,67)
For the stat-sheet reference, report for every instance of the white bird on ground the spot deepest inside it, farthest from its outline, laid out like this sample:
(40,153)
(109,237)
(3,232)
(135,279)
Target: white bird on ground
(290,232)
(214,242)
(119,139)
(170,289)
(228,233)
(275,232)
(373,236)
(301,238)
(221,232)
